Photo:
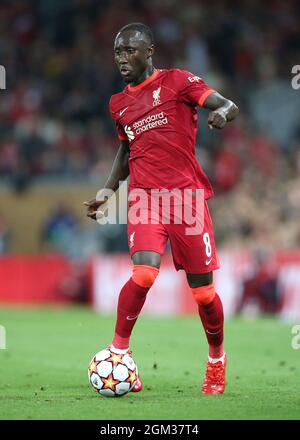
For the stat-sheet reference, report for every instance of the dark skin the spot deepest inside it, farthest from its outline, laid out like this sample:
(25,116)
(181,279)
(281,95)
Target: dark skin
(133,57)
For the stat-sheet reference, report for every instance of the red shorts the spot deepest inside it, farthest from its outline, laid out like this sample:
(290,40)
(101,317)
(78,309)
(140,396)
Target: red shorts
(195,253)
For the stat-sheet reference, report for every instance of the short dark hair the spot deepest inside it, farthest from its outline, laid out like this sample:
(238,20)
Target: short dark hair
(140,27)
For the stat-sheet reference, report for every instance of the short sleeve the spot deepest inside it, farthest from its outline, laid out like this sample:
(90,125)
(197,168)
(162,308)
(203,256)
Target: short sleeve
(193,89)
(115,116)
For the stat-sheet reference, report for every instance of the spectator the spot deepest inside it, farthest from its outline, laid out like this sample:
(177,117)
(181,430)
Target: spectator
(59,229)
(5,236)
(260,291)
(55,123)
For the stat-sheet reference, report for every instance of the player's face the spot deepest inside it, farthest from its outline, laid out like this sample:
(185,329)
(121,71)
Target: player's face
(132,53)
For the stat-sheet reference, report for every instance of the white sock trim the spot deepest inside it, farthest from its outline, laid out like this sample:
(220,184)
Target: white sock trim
(215,360)
(118,350)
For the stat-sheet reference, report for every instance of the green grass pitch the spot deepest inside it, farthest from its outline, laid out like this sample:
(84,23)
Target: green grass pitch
(43,370)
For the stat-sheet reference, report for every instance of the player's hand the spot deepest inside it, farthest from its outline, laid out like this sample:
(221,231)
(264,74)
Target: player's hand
(217,119)
(93,210)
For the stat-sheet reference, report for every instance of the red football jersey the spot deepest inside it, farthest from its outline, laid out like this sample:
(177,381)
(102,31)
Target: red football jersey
(159,118)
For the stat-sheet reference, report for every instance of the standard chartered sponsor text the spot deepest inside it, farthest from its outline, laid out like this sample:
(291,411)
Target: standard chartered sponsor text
(150,122)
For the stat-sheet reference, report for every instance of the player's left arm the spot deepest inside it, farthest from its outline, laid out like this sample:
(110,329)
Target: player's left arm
(223,110)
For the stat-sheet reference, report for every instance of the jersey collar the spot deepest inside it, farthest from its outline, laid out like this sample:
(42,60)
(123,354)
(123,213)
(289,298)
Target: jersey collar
(144,83)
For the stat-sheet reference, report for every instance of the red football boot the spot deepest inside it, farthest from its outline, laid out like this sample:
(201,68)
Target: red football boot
(214,381)
(138,386)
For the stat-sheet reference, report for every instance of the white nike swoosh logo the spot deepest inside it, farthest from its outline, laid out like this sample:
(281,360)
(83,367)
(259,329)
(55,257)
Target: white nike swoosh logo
(130,318)
(207,262)
(122,111)
(213,333)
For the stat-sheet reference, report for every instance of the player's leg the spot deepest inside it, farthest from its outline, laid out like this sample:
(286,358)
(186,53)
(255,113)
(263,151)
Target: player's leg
(133,295)
(147,242)
(150,258)
(132,298)
(196,254)
(210,310)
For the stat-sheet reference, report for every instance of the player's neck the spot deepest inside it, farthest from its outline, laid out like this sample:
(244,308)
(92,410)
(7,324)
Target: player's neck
(145,75)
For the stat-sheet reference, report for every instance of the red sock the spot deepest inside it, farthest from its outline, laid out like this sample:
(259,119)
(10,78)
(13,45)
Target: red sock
(212,318)
(131,300)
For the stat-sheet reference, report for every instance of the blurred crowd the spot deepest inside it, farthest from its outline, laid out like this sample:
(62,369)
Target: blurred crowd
(55,123)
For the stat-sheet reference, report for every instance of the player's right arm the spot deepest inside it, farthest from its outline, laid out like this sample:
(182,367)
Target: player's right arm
(119,171)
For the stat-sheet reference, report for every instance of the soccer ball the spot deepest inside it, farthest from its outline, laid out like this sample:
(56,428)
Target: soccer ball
(112,374)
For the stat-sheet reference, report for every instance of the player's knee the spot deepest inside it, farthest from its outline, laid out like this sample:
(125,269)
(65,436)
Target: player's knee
(204,295)
(144,275)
